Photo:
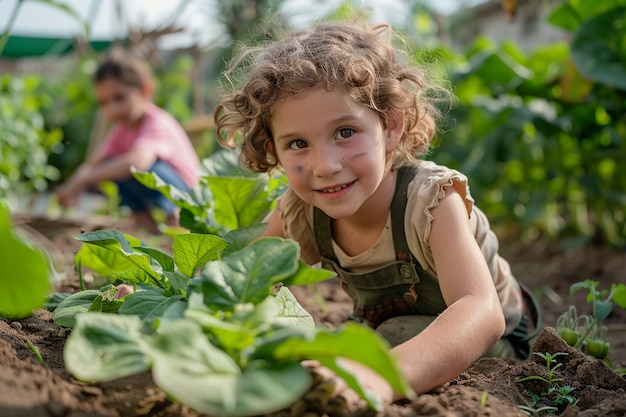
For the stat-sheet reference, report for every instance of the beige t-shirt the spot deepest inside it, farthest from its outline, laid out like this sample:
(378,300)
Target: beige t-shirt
(424,193)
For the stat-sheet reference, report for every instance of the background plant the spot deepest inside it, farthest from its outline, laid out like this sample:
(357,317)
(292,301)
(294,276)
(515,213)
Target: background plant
(25,141)
(227,197)
(539,134)
(586,332)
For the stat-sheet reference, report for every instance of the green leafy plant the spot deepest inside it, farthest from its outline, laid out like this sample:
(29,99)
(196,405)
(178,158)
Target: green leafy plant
(586,332)
(555,396)
(226,199)
(25,142)
(540,132)
(214,322)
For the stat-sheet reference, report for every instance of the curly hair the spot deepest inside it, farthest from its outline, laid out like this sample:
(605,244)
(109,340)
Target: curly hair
(359,59)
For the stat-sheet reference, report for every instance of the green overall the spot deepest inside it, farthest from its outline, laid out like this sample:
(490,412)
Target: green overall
(401,288)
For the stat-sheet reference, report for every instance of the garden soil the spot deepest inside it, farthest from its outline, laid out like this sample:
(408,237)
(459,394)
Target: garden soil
(488,388)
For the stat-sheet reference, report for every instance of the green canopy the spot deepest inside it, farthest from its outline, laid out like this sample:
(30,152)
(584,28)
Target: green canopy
(24,46)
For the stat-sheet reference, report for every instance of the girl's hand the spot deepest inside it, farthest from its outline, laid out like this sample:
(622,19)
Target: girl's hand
(68,194)
(330,388)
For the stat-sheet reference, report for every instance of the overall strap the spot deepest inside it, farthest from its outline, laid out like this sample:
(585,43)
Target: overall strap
(406,174)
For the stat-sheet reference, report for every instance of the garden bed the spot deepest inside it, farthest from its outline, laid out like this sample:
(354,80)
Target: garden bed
(489,387)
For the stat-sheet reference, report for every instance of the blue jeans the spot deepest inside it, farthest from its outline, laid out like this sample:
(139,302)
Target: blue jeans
(138,197)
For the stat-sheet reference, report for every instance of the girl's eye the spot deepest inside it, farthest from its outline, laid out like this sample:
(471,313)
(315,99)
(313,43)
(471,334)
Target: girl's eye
(298,144)
(345,133)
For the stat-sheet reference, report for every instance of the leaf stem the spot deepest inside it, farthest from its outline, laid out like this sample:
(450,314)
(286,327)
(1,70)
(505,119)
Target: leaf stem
(35,351)
(79,271)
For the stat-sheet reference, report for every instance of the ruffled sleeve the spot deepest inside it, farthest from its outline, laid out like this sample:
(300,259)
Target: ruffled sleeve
(424,194)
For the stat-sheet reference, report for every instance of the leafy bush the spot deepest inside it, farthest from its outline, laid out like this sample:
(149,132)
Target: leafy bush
(539,135)
(25,142)
(214,322)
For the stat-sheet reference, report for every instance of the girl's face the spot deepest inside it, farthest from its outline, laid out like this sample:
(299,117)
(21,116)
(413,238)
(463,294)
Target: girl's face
(121,103)
(336,153)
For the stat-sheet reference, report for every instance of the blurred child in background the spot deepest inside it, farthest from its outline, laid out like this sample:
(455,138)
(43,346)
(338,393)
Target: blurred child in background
(144,136)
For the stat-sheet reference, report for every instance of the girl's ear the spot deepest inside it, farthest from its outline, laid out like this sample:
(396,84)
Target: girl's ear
(271,153)
(147,89)
(394,130)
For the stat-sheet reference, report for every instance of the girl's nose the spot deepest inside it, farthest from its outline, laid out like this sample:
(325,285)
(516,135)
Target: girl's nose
(327,162)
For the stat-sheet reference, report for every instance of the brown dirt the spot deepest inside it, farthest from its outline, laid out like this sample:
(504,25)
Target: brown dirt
(488,388)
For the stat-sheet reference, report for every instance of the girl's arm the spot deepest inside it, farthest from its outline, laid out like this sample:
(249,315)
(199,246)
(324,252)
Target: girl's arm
(470,325)
(473,321)
(97,169)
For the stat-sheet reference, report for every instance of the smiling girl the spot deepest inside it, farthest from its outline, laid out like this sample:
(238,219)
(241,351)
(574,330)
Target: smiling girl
(348,119)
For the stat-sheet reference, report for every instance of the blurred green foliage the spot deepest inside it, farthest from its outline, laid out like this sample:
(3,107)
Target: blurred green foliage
(25,141)
(541,136)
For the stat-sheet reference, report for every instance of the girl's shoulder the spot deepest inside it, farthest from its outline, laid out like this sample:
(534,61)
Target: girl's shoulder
(429,185)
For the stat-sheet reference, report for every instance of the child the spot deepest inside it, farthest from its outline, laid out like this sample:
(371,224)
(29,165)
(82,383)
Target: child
(143,136)
(338,109)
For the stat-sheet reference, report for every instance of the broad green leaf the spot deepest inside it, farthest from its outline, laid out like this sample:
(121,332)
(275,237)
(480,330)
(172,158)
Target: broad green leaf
(197,201)
(328,345)
(149,304)
(178,281)
(102,261)
(230,335)
(153,181)
(192,251)
(292,313)
(136,277)
(192,371)
(242,201)
(104,347)
(500,70)
(548,62)
(224,163)
(65,313)
(619,296)
(54,299)
(24,273)
(602,309)
(598,48)
(164,259)
(308,275)
(238,330)
(242,237)
(120,245)
(247,275)
(570,14)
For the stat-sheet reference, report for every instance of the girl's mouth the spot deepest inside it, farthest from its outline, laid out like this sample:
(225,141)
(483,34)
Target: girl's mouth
(336,188)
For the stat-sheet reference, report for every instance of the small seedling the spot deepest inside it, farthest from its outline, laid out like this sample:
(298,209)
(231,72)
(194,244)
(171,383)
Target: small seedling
(35,351)
(483,398)
(550,359)
(556,395)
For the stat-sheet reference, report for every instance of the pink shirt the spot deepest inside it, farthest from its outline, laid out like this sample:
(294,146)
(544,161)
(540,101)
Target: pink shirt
(162,134)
